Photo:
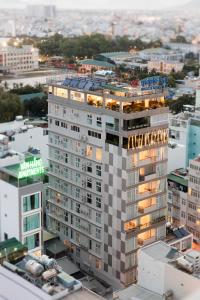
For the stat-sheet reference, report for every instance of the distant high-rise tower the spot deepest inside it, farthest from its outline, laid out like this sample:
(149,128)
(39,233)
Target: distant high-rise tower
(41,11)
(113,27)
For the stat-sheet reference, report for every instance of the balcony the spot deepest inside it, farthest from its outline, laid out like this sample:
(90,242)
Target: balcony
(145,242)
(147,160)
(146,210)
(148,177)
(147,193)
(136,228)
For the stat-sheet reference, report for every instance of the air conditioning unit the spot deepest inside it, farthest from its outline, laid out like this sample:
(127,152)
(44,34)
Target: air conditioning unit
(83,167)
(83,183)
(84,138)
(84,198)
(83,152)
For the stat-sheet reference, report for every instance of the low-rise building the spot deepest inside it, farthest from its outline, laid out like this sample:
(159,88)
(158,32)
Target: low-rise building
(33,277)
(160,54)
(165,66)
(165,273)
(20,136)
(19,59)
(87,65)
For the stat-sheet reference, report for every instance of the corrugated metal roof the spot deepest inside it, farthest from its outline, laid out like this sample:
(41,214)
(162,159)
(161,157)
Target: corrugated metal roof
(178,179)
(98,63)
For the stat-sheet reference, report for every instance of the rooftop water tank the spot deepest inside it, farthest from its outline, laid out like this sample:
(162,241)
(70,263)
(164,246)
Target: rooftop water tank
(34,268)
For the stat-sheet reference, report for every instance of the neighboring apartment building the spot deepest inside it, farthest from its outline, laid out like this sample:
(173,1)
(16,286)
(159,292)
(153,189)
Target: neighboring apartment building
(165,273)
(164,66)
(193,209)
(21,188)
(107,172)
(183,198)
(19,59)
(184,137)
(177,196)
(22,136)
(155,277)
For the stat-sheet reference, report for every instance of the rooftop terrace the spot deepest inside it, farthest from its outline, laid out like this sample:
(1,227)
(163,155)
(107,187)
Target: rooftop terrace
(112,95)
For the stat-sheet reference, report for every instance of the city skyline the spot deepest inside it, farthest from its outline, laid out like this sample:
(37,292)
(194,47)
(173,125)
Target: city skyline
(89,4)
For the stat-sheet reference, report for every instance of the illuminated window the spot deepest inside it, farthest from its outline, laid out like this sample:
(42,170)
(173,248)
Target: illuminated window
(130,225)
(89,151)
(98,264)
(147,234)
(99,154)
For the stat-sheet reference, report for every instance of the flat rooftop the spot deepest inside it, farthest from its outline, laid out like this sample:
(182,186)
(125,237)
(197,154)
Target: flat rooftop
(38,278)
(161,251)
(12,285)
(179,176)
(28,167)
(135,292)
(184,262)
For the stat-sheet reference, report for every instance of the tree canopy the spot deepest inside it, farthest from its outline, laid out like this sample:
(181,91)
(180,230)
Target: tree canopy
(10,106)
(27,89)
(89,45)
(36,107)
(176,106)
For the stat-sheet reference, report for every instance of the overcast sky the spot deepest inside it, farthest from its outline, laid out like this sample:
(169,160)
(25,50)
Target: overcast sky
(138,4)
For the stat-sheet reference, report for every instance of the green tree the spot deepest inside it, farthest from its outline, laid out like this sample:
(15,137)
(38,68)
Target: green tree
(27,89)
(176,106)
(36,107)
(10,106)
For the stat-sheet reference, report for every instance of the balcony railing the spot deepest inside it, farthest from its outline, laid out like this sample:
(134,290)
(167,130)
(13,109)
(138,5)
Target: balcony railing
(144,242)
(146,225)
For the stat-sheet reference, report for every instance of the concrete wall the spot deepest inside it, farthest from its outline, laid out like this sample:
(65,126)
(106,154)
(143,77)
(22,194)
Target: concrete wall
(9,211)
(151,273)
(32,138)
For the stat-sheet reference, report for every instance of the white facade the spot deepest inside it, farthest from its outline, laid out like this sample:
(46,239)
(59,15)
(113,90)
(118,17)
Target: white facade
(178,138)
(23,137)
(160,54)
(107,185)
(158,272)
(184,134)
(13,217)
(165,67)
(22,59)
(22,192)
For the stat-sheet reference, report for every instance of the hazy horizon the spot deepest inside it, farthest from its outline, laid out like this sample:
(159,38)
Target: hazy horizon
(92,4)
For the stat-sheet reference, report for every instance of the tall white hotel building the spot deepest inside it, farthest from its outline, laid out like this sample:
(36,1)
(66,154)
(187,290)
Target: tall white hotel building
(107,173)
